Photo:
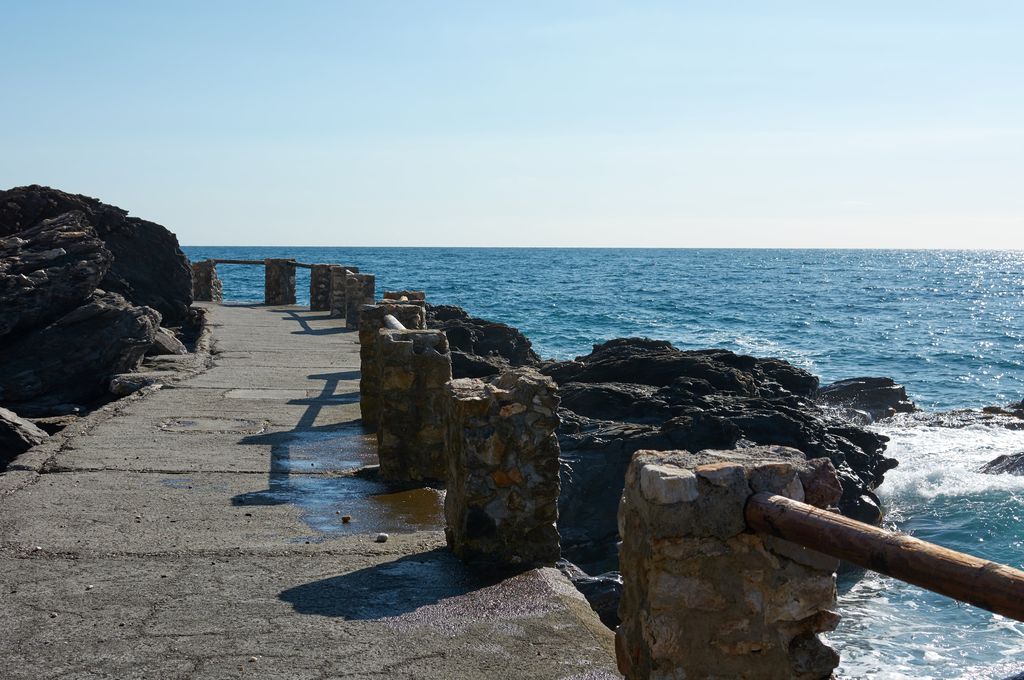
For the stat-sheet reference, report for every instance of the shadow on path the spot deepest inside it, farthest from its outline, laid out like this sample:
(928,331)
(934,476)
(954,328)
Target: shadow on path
(387,590)
(303,320)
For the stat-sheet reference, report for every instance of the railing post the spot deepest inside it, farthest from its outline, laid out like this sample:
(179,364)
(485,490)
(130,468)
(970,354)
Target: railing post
(702,595)
(405,295)
(206,287)
(501,503)
(414,367)
(371,320)
(320,288)
(360,290)
(279,282)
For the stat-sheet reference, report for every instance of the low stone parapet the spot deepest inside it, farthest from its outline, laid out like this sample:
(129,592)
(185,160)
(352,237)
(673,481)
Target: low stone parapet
(371,320)
(705,597)
(360,290)
(502,499)
(405,295)
(206,286)
(414,367)
(279,282)
(320,287)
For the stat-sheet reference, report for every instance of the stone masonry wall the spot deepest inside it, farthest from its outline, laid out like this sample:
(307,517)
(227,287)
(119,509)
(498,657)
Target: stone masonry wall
(338,274)
(360,290)
(414,367)
(279,282)
(206,286)
(320,288)
(705,598)
(502,499)
(371,320)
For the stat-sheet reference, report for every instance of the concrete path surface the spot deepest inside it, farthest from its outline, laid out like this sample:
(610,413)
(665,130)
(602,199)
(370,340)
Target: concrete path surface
(200,532)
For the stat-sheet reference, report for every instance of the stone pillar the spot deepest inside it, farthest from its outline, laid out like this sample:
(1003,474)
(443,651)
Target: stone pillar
(371,320)
(279,282)
(337,297)
(414,367)
(320,288)
(405,295)
(502,499)
(702,596)
(206,287)
(359,290)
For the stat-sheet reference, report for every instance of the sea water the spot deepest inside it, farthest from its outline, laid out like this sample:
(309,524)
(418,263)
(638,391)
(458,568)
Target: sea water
(947,324)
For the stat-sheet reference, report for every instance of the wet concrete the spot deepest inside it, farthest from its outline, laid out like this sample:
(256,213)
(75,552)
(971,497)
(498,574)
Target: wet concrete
(199,533)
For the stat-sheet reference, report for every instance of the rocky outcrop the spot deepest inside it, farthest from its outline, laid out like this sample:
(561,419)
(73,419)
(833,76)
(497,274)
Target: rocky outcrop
(17,435)
(480,348)
(633,394)
(1005,465)
(148,266)
(47,270)
(878,397)
(166,343)
(70,360)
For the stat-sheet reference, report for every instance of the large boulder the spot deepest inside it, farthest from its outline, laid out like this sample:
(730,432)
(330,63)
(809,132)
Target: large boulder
(17,436)
(148,266)
(632,394)
(480,348)
(878,397)
(71,360)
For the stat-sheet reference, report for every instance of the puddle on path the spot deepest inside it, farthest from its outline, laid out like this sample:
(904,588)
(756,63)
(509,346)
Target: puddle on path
(314,470)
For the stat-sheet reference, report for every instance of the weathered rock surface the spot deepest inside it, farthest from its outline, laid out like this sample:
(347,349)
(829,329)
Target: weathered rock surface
(71,360)
(47,270)
(634,394)
(148,266)
(480,348)
(17,435)
(165,342)
(878,397)
(1004,465)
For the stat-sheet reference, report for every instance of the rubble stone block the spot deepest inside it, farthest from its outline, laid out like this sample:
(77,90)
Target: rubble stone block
(279,282)
(414,367)
(371,320)
(206,286)
(502,453)
(702,595)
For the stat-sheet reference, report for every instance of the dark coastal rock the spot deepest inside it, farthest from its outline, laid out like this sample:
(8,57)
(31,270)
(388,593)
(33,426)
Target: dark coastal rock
(166,342)
(17,435)
(70,360)
(148,266)
(1004,465)
(48,270)
(878,397)
(633,394)
(603,592)
(480,348)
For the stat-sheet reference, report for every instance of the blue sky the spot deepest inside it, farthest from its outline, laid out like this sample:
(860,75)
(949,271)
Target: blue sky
(559,123)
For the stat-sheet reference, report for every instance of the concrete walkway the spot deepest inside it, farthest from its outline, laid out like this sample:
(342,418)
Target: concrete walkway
(198,532)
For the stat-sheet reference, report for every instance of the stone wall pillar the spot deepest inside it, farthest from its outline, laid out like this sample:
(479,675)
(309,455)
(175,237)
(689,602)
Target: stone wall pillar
(371,320)
(206,286)
(279,282)
(320,288)
(414,367)
(502,453)
(360,290)
(338,274)
(702,596)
